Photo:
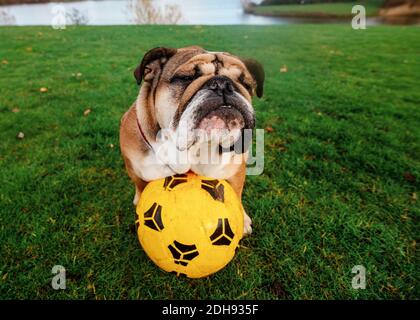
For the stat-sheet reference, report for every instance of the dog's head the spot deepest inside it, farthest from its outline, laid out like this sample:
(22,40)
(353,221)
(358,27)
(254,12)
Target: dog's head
(190,88)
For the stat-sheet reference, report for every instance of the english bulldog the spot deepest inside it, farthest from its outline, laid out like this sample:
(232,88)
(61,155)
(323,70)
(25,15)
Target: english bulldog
(192,105)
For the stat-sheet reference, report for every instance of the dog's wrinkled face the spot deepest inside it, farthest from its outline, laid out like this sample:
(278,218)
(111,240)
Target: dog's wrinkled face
(189,89)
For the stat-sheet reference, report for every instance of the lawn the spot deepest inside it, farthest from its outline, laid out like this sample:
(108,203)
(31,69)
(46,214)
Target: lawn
(340,186)
(318,9)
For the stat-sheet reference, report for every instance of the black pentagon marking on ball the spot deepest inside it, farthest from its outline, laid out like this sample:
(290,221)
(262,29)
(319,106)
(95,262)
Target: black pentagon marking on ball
(175,253)
(223,235)
(182,253)
(184,247)
(219,230)
(223,241)
(228,230)
(150,224)
(214,188)
(190,256)
(149,213)
(153,217)
(158,217)
(172,181)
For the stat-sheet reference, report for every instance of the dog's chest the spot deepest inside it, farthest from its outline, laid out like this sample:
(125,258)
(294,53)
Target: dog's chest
(166,160)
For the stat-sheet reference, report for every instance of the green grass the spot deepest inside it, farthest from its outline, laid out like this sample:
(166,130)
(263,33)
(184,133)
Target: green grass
(341,166)
(318,9)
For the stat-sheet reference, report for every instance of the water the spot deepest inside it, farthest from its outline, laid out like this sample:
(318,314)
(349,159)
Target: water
(119,12)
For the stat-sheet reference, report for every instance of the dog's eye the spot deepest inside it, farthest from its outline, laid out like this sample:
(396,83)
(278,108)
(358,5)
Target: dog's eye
(186,78)
(246,85)
(182,78)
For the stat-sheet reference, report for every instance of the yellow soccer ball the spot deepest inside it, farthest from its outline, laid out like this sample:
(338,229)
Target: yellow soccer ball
(189,225)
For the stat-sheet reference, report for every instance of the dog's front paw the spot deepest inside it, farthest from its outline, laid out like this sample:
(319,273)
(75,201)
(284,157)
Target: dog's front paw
(247,225)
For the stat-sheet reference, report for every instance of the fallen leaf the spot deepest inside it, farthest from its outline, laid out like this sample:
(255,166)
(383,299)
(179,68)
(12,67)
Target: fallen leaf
(15,110)
(408,176)
(5,61)
(92,288)
(309,157)
(86,112)
(283,69)
(405,217)
(29,49)
(269,129)
(43,89)
(20,135)
(337,52)
(282,149)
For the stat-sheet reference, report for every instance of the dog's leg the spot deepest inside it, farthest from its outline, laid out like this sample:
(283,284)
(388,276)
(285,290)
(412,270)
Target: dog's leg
(136,196)
(139,183)
(247,224)
(237,182)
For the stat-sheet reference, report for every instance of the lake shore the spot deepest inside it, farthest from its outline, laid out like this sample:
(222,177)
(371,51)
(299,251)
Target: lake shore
(331,11)
(314,15)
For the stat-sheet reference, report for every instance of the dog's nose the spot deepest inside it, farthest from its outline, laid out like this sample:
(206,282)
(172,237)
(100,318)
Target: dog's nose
(222,85)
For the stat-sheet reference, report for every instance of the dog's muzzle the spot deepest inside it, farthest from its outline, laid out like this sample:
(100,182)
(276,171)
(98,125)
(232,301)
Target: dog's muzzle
(224,107)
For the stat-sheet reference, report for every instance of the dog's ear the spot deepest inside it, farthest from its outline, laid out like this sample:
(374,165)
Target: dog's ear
(152,63)
(257,71)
